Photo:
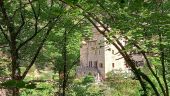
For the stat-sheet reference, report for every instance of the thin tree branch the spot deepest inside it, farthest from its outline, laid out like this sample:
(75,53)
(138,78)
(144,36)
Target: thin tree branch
(29,39)
(38,31)
(33,10)
(105,10)
(50,26)
(7,20)
(162,52)
(37,53)
(36,16)
(22,19)
(22,7)
(75,25)
(150,68)
(65,61)
(144,76)
(162,59)
(74,63)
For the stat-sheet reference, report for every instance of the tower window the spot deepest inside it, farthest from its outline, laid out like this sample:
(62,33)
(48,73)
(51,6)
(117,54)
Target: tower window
(90,64)
(113,65)
(95,52)
(112,51)
(95,64)
(101,65)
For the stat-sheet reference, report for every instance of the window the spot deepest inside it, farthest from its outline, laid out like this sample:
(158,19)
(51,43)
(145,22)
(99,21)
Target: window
(90,63)
(113,65)
(95,52)
(112,51)
(95,64)
(109,49)
(101,65)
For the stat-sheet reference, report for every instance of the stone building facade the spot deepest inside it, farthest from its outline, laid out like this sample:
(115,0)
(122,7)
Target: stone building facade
(98,57)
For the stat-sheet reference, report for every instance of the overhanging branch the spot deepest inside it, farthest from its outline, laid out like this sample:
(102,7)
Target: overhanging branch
(37,53)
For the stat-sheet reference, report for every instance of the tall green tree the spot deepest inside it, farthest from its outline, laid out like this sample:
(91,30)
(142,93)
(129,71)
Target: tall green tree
(25,25)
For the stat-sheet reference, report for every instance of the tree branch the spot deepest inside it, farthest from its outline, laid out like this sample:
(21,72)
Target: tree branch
(36,16)
(22,7)
(22,19)
(7,20)
(33,9)
(151,83)
(35,34)
(150,68)
(50,25)
(37,53)
(75,25)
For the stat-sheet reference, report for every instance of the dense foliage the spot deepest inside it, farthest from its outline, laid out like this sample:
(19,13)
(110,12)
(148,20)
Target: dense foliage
(40,42)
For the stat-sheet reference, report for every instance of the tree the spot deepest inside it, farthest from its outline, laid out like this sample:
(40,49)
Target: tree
(68,46)
(62,47)
(26,24)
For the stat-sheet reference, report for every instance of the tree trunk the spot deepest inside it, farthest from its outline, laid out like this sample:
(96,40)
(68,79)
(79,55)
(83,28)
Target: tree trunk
(63,71)
(60,91)
(15,92)
(162,59)
(65,63)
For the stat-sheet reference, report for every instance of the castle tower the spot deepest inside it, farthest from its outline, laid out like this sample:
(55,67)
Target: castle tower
(97,57)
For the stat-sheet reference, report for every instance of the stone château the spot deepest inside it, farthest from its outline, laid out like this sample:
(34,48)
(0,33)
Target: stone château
(98,57)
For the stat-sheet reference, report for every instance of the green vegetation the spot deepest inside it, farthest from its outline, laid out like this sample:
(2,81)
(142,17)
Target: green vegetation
(40,42)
